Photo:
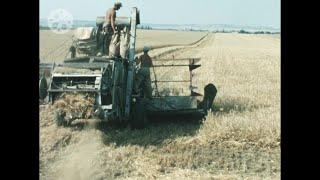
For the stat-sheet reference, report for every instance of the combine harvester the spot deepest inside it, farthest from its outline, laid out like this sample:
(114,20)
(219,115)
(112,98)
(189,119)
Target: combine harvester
(110,81)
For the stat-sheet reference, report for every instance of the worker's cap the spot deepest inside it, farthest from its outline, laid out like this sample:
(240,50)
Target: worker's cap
(118,4)
(146,48)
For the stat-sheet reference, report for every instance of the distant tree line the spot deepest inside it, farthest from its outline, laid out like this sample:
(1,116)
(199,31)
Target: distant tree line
(144,27)
(244,32)
(215,31)
(44,28)
(224,31)
(195,30)
(257,32)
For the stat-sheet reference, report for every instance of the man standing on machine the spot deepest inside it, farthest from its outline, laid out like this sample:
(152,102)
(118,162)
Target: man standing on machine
(109,25)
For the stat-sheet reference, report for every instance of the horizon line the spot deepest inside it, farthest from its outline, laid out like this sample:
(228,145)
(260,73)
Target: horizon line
(269,26)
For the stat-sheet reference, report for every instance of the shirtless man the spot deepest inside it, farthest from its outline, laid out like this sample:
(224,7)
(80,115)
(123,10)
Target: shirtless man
(111,15)
(109,25)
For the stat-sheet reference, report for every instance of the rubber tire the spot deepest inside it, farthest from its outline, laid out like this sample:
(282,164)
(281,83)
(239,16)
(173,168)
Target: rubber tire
(138,119)
(210,92)
(43,87)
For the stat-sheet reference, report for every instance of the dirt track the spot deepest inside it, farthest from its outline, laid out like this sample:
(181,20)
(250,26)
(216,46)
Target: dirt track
(239,140)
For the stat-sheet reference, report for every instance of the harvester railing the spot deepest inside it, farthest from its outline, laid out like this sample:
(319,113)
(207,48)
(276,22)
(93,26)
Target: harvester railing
(192,65)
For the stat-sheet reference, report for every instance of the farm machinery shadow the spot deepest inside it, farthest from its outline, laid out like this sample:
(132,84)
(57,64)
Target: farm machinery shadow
(160,129)
(235,105)
(164,129)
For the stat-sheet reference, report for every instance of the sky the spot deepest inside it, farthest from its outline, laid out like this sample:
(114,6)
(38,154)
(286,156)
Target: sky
(236,12)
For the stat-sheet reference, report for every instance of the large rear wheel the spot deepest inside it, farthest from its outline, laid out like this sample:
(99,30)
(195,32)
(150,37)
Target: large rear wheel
(210,92)
(43,87)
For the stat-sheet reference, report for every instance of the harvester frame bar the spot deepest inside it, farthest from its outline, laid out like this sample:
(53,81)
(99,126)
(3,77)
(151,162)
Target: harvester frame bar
(131,61)
(76,75)
(80,65)
(74,90)
(195,60)
(192,65)
(172,81)
(169,65)
(84,65)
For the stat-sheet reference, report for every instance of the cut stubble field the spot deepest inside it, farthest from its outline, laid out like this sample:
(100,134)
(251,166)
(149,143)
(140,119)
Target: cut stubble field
(239,139)
(55,47)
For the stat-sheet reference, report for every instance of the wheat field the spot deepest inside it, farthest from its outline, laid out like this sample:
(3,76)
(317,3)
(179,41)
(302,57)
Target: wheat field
(239,139)
(54,47)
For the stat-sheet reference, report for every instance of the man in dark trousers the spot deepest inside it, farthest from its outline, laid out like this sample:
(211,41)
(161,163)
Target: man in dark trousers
(143,76)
